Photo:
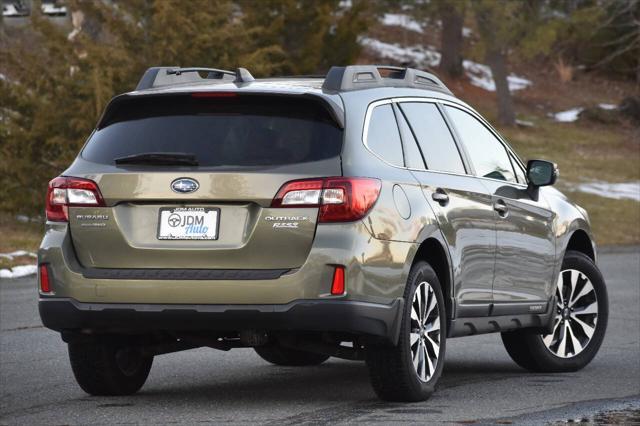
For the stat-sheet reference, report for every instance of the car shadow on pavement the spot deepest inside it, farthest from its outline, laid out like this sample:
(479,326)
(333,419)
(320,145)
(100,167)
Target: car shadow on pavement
(333,381)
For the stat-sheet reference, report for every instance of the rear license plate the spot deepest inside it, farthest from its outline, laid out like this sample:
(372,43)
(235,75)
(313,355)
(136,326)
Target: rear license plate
(188,223)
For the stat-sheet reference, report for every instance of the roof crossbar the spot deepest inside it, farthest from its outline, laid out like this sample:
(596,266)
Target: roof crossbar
(355,77)
(168,76)
(214,71)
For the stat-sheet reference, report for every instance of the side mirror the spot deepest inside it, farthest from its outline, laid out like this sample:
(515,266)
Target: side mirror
(541,173)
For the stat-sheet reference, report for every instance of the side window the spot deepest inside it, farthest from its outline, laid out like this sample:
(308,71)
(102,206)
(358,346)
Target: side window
(412,156)
(486,152)
(436,142)
(383,136)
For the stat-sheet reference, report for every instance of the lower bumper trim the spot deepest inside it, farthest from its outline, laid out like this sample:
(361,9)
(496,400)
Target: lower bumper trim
(362,318)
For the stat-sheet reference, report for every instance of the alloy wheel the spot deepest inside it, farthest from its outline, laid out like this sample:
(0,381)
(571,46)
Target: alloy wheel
(576,315)
(425,331)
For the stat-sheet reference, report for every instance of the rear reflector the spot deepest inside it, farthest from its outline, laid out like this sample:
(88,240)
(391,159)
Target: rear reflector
(43,272)
(337,286)
(341,199)
(65,192)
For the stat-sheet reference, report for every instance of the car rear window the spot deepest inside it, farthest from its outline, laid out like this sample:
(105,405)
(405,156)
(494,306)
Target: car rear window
(225,131)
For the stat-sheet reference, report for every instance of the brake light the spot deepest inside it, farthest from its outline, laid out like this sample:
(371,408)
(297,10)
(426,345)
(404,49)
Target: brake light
(337,285)
(45,285)
(341,199)
(214,94)
(65,192)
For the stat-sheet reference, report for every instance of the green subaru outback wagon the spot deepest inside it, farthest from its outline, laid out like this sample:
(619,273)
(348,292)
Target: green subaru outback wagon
(366,215)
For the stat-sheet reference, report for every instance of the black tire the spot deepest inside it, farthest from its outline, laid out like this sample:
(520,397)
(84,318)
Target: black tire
(393,375)
(281,355)
(108,368)
(529,351)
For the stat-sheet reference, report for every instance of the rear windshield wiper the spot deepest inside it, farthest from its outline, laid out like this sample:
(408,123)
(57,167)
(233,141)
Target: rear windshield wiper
(160,158)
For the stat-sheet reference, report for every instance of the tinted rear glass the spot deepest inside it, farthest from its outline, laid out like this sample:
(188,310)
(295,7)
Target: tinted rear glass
(240,131)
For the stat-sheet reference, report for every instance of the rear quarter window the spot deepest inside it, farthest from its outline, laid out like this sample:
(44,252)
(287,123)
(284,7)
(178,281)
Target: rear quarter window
(240,131)
(383,136)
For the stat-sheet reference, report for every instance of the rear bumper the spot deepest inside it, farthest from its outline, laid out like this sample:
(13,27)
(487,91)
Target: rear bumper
(361,318)
(375,272)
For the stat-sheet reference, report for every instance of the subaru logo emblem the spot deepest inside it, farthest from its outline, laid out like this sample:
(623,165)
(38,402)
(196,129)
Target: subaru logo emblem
(185,185)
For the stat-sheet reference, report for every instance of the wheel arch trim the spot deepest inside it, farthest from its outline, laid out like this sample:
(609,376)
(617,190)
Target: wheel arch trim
(434,250)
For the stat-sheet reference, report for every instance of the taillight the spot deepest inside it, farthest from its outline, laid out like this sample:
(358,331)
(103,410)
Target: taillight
(65,192)
(43,272)
(341,199)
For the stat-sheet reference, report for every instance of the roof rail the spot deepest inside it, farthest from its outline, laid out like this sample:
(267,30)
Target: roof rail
(167,76)
(355,77)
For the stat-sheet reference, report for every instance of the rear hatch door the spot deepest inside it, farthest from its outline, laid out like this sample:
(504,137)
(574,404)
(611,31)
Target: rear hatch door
(188,181)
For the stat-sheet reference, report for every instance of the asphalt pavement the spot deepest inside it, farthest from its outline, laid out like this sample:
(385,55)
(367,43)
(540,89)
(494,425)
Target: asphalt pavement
(480,383)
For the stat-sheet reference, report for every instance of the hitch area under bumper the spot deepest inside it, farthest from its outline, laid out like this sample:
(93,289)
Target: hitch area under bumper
(377,320)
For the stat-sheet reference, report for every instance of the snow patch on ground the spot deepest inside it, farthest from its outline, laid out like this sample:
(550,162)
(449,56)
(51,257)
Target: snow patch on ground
(625,190)
(53,10)
(401,20)
(568,116)
(525,123)
(608,106)
(19,271)
(416,54)
(17,253)
(479,74)
(407,22)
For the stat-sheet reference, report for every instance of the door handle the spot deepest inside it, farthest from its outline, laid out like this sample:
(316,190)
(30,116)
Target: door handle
(501,208)
(440,197)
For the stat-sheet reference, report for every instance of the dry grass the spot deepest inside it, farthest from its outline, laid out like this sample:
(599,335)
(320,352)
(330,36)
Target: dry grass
(614,222)
(16,235)
(565,71)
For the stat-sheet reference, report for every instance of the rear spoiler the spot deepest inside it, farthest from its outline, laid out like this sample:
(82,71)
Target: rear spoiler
(335,110)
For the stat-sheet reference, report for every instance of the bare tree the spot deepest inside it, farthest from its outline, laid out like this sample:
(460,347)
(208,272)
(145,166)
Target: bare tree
(623,22)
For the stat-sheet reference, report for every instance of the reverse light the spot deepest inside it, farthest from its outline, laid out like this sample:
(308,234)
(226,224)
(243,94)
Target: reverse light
(337,285)
(341,199)
(43,274)
(65,192)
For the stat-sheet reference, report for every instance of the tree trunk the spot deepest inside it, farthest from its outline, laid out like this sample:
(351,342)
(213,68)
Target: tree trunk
(488,19)
(452,16)
(498,64)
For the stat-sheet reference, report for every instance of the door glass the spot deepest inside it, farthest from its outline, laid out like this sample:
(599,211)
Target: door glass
(412,155)
(383,137)
(486,152)
(437,144)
